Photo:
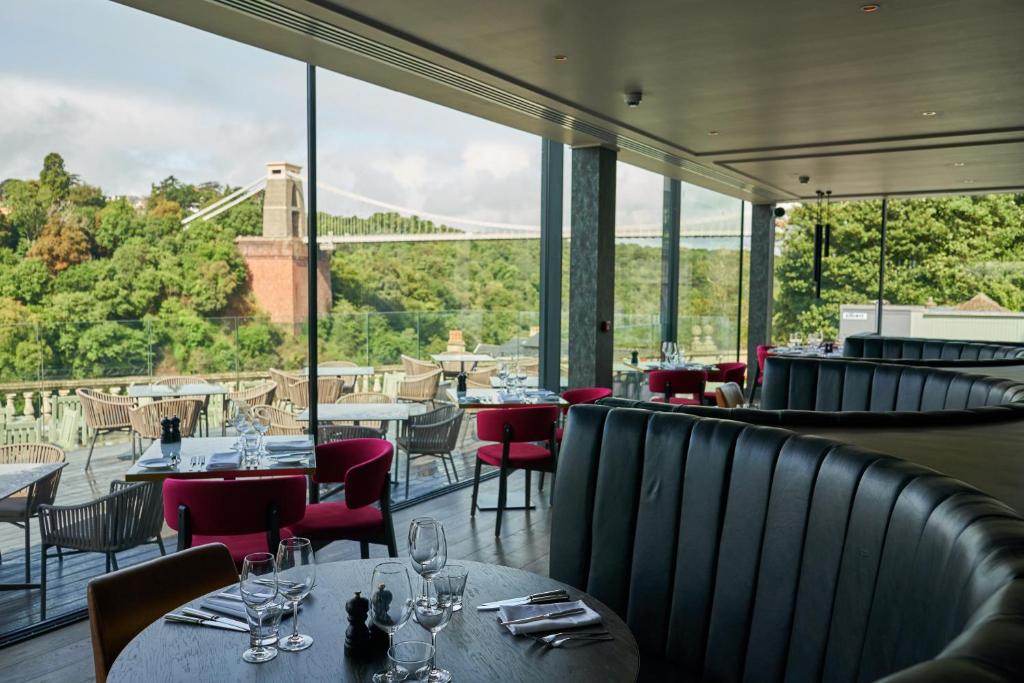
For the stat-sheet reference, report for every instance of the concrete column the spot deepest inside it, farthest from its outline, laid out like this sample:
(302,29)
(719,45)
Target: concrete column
(592,271)
(550,342)
(670,222)
(762,271)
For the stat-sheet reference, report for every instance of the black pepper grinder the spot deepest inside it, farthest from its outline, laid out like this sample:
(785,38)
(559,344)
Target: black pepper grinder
(634,357)
(175,429)
(357,636)
(165,431)
(460,387)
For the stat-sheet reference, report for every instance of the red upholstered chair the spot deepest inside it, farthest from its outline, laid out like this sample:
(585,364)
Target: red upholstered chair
(515,430)
(247,515)
(575,397)
(669,383)
(364,466)
(727,372)
(762,355)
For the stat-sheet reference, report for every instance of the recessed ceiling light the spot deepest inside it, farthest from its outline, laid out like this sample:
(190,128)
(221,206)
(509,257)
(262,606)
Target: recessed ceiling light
(968,182)
(929,113)
(959,164)
(870,8)
(561,58)
(712,133)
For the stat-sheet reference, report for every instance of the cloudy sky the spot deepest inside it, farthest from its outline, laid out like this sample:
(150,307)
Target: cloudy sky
(129,98)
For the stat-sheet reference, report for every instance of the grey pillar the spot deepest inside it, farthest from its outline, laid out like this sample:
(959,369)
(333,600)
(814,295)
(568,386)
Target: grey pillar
(592,275)
(551,160)
(670,220)
(762,270)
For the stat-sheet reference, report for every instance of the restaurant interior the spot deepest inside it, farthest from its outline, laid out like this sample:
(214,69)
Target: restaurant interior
(703,503)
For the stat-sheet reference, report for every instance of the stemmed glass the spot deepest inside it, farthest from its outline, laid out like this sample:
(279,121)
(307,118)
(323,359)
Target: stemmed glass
(427,547)
(296,574)
(433,612)
(258,586)
(238,421)
(261,423)
(503,375)
(390,607)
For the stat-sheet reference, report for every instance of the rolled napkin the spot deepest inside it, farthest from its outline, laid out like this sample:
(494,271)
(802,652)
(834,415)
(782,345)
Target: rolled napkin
(228,460)
(290,445)
(514,612)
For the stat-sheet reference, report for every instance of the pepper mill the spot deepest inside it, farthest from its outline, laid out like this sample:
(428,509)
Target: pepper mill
(634,357)
(358,643)
(175,429)
(460,387)
(166,435)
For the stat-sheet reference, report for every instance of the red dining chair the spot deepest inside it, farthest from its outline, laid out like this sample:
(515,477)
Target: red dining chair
(575,397)
(247,515)
(669,383)
(727,372)
(762,355)
(364,466)
(515,430)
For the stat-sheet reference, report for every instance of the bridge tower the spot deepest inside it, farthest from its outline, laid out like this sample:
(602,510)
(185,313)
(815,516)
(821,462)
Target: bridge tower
(278,261)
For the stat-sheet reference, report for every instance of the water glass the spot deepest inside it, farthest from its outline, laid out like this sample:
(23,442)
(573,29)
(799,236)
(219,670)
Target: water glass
(266,633)
(434,612)
(427,546)
(456,575)
(296,574)
(257,585)
(390,607)
(412,656)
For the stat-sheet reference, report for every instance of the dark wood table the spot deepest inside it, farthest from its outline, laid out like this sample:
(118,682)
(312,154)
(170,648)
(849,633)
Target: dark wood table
(15,477)
(202,448)
(474,647)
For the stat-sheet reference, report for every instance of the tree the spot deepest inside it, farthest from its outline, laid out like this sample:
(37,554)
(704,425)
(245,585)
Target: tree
(54,180)
(62,243)
(117,223)
(26,280)
(26,211)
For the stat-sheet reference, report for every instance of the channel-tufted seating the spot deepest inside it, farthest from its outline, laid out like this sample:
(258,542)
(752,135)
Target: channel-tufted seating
(747,553)
(917,348)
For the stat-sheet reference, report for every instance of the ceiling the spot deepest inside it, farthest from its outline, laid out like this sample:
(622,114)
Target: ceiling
(791,87)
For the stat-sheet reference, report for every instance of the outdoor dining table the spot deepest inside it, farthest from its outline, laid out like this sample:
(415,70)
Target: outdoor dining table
(197,390)
(192,455)
(462,359)
(485,399)
(15,477)
(474,646)
(331,371)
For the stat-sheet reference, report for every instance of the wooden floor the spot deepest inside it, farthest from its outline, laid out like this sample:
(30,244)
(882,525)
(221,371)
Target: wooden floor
(66,656)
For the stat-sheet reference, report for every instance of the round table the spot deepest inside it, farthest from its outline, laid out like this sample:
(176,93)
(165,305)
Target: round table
(474,647)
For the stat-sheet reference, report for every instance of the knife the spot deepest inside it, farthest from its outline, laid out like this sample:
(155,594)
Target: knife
(535,599)
(183,619)
(190,612)
(541,617)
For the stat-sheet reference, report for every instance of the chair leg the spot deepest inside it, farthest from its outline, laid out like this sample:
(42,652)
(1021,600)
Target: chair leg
(551,489)
(476,488)
(28,558)
(448,474)
(160,542)
(408,459)
(540,484)
(454,471)
(528,473)
(502,492)
(389,536)
(92,445)
(113,561)
(364,550)
(60,554)
(107,570)
(42,581)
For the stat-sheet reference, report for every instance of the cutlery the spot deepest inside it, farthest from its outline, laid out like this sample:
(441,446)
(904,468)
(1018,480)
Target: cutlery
(544,638)
(558,642)
(191,612)
(230,596)
(534,599)
(184,619)
(542,617)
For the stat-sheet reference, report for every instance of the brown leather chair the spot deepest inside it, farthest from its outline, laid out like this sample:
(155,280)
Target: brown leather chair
(123,603)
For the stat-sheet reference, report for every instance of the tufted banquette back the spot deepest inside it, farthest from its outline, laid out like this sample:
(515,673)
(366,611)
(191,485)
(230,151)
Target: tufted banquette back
(917,348)
(746,553)
(845,385)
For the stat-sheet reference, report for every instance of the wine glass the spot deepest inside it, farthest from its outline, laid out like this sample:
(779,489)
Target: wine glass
(427,547)
(503,375)
(257,585)
(390,607)
(261,423)
(238,421)
(296,574)
(664,351)
(433,612)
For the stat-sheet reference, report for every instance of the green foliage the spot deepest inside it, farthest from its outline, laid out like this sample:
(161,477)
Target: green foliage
(26,211)
(243,219)
(117,223)
(54,180)
(380,223)
(25,280)
(110,349)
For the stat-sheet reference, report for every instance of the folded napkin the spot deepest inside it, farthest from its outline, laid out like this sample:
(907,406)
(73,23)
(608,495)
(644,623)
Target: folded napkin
(512,612)
(290,445)
(228,460)
(236,608)
(507,397)
(156,462)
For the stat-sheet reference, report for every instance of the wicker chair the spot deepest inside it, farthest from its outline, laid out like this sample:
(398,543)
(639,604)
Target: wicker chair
(349,382)
(20,507)
(328,390)
(104,414)
(182,380)
(433,433)
(129,516)
(367,397)
(284,381)
(529,367)
(283,423)
(730,395)
(259,395)
(414,366)
(420,388)
(145,419)
(340,432)
(481,376)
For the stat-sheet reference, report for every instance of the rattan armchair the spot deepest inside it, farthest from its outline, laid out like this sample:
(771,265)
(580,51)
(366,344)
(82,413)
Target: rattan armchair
(282,423)
(183,380)
(328,389)
(414,366)
(420,388)
(20,507)
(340,432)
(145,419)
(129,516)
(104,414)
(433,433)
(259,395)
(284,380)
(349,383)
(367,397)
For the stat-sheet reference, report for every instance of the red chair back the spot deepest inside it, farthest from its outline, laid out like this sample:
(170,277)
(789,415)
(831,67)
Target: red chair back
(762,355)
(533,423)
(219,507)
(585,395)
(363,465)
(729,372)
(677,382)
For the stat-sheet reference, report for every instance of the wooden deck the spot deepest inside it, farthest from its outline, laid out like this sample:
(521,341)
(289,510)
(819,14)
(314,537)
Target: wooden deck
(65,655)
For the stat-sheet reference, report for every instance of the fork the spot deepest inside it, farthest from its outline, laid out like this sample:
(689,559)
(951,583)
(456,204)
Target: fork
(545,638)
(558,642)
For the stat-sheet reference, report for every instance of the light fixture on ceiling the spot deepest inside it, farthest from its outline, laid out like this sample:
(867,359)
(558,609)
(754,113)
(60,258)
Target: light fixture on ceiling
(968,182)
(712,133)
(870,8)
(561,58)
(929,113)
(959,164)
(633,98)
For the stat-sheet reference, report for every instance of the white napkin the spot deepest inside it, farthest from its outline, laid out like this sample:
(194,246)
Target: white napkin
(510,613)
(156,462)
(290,445)
(229,460)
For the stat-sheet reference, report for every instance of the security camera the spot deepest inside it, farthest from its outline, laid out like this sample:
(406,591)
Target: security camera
(779,212)
(804,179)
(633,98)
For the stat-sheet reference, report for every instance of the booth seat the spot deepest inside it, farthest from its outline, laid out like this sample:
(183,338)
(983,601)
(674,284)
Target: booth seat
(917,348)
(744,553)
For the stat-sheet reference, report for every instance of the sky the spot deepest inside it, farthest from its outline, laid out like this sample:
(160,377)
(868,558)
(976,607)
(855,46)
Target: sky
(129,98)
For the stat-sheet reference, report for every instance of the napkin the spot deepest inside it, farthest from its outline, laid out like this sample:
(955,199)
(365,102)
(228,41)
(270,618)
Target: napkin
(511,612)
(236,608)
(228,460)
(153,462)
(290,445)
